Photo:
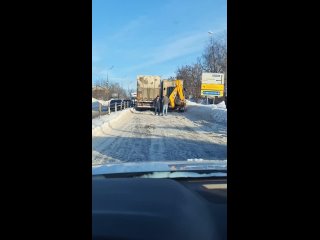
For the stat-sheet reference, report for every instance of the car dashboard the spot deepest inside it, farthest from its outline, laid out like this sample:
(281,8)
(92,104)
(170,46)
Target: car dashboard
(144,208)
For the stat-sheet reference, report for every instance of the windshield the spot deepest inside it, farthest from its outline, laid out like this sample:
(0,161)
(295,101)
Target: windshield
(159,82)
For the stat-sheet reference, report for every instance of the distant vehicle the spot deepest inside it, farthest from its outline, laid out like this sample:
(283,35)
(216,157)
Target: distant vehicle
(113,103)
(128,102)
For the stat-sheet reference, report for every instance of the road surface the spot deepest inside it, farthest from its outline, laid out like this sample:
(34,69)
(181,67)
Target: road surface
(142,136)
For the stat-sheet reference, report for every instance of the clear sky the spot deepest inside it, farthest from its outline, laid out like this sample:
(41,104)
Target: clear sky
(151,37)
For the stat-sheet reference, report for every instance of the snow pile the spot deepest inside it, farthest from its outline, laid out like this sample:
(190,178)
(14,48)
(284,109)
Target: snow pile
(95,101)
(191,103)
(102,124)
(221,105)
(95,105)
(204,103)
(213,113)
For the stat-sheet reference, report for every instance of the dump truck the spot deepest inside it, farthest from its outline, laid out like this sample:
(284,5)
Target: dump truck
(173,89)
(148,88)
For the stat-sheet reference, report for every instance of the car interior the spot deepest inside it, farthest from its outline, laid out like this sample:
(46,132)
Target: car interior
(143,208)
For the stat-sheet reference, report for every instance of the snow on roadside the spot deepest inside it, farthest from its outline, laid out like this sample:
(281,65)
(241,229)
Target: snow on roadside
(99,128)
(212,112)
(100,101)
(221,105)
(102,124)
(191,103)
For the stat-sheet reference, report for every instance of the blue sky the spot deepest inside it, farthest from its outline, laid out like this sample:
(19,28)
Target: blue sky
(149,37)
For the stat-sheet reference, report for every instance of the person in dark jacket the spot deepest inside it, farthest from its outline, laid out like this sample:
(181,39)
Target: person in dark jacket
(165,101)
(157,105)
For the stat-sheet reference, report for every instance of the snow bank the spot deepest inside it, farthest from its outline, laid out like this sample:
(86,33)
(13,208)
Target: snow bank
(102,124)
(190,103)
(203,104)
(95,102)
(211,112)
(221,105)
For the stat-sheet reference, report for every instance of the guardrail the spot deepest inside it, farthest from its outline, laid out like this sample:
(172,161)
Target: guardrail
(114,107)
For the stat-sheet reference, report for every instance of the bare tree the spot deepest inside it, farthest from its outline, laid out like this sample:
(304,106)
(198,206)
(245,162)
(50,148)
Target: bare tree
(130,90)
(115,88)
(171,78)
(191,76)
(214,58)
(104,90)
(99,91)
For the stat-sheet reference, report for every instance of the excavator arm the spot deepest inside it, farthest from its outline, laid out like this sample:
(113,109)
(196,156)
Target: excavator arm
(177,90)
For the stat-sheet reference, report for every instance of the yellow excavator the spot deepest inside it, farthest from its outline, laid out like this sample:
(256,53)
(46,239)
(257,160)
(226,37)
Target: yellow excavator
(174,90)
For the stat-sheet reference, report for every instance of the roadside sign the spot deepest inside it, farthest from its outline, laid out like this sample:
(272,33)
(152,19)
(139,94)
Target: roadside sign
(213,78)
(212,84)
(211,93)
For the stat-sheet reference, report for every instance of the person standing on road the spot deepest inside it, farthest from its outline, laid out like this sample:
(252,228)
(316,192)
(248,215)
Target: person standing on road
(165,101)
(157,106)
(161,104)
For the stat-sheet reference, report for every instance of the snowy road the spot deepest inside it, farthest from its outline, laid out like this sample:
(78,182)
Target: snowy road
(142,136)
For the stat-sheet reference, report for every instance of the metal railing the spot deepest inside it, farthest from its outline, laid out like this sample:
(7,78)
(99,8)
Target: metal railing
(114,107)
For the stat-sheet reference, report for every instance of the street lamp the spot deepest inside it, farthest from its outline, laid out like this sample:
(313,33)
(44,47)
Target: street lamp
(107,74)
(210,33)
